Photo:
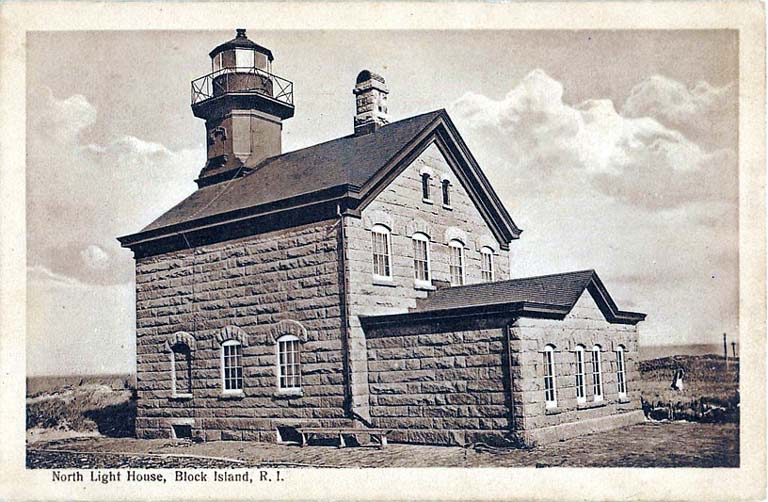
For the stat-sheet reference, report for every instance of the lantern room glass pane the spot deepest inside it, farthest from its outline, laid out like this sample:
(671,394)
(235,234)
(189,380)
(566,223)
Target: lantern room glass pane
(244,58)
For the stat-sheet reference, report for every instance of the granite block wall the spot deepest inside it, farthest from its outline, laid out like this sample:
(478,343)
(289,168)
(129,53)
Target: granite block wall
(253,290)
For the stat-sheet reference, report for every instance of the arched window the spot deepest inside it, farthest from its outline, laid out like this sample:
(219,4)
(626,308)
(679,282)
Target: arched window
(425,182)
(486,263)
(231,367)
(456,262)
(289,363)
(446,184)
(550,390)
(382,259)
(621,375)
(597,374)
(181,370)
(421,258)
(581,384)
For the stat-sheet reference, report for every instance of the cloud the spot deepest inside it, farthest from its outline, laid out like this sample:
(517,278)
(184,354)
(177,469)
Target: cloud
(653,210)
(82,195)
(636,160)
(704,113)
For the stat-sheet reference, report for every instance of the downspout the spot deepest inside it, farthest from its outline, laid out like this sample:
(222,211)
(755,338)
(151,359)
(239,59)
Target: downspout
(343,302)
(511,378)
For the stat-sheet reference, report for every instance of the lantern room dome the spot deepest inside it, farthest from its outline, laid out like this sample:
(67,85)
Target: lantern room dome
(241,41)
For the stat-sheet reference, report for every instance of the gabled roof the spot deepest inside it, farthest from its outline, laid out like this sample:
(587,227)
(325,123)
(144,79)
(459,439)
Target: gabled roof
(358,167)
(543,296)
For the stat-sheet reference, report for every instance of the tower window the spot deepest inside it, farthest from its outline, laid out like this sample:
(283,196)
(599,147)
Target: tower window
(456,262)
(382,258)
(486,264)
(289,363)
(597,374)
(621,375)
(550,391)
(421,257)
(425,182)
(581,386)
(446,193)
(231,367)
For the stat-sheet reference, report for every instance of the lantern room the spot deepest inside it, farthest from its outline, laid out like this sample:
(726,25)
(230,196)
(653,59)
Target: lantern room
(241,53)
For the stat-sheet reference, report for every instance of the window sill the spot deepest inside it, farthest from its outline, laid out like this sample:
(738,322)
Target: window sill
(624,400)
(554,410)
(384,281)
(448,207)
(591,404)
(427,201)
(226,396)
(288,394)
(180,397)
(423,285)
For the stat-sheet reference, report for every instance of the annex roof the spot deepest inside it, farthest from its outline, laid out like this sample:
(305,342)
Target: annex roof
(549,296)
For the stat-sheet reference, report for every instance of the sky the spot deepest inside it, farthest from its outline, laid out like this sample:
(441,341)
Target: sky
(612,150)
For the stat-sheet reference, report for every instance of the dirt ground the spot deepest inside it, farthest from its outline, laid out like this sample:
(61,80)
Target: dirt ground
(652,444)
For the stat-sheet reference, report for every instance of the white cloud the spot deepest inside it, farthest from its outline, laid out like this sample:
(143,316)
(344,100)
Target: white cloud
(653,211)
(703,112)
(81,196)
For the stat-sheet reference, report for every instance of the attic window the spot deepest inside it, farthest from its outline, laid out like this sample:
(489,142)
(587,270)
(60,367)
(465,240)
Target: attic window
(446,193)
(425,195)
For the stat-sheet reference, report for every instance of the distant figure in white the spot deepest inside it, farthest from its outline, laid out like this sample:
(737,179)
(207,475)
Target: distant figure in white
(677,381)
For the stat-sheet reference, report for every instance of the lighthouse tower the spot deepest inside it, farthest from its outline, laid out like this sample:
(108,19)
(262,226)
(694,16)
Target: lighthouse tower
(243,105)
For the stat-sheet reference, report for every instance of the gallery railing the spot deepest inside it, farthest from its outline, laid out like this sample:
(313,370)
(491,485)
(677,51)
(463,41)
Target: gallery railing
(242,80)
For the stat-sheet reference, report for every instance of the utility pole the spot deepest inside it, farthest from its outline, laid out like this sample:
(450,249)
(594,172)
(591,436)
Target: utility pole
(725,350)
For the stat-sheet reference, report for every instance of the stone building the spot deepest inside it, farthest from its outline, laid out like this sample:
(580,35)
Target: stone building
(364,281)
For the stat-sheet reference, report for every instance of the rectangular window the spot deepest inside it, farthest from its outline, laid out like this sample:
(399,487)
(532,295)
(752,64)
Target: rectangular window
(182,370)
(621,376)
(456,264)
(232,366)
(381,266)
(420,260)
(550,394)
(290,366)
(244,58)
(425,187)
(486,264)
(217,62)
(581,386)
(446,193)
(597,375)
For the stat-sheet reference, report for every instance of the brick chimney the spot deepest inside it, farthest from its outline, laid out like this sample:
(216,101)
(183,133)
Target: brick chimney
(371,98)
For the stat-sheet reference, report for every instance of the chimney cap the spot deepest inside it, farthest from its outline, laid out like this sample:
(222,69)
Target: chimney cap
(367,75)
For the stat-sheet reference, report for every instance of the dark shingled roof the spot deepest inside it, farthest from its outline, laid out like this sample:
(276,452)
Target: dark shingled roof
(350,160)
(561,290)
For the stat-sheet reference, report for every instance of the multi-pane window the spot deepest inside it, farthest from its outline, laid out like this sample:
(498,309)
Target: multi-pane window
(621,375)
(421,257)
(486,264)
(550,391)
(181,376)
(289,363)
(446,193)
(597,374)
(381,255)
(425,181)
(232,366)
(456,262)
(581,385)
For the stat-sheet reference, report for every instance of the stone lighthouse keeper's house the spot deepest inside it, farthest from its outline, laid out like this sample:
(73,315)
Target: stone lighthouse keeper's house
(361,282)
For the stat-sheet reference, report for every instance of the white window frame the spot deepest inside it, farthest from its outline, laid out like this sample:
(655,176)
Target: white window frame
(550,380)
(581,375)
(621,372)
(456,244)
(224,389)
(174,380)
(416,238)
(295,363)
(597,373)
(387,233)
(486,275)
